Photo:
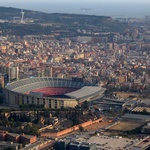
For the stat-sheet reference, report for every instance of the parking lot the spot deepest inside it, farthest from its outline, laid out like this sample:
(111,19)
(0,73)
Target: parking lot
(104,142)
(113,143)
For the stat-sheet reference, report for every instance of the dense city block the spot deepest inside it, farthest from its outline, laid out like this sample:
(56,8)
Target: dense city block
(70,81)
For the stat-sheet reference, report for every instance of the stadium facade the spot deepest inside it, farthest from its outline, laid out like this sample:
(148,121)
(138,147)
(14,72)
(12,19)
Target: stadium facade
(51,92)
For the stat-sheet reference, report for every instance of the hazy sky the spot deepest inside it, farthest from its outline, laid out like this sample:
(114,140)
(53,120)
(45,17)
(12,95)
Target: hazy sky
(138,8)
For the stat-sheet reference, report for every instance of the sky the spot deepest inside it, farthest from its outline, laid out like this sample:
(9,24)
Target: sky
(116,8)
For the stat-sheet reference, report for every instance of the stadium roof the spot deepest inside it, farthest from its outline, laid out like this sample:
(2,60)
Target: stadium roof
(29,84)
(86,91)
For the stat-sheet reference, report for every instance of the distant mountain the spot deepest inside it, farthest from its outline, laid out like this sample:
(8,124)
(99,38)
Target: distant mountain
(65,24)
(9,13)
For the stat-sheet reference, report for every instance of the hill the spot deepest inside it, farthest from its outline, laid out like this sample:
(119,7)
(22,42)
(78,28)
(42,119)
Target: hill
(67,22)
(8,13)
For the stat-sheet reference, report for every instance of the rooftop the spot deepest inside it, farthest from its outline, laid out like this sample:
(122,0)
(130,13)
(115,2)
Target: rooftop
(144,143)
(86,91)
(137,117)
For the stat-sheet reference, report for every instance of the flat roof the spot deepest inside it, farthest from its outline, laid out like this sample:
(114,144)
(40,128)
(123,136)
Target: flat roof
(38,144)
(86,91)
(28,136)
(103,141)
(13,134)
(144,143)
(146,127)
(137,116)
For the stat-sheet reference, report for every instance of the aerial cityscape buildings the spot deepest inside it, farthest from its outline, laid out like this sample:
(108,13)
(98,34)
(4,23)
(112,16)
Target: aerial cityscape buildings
(73,84)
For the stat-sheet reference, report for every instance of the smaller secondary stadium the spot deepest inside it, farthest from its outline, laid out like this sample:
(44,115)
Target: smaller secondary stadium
(50,92)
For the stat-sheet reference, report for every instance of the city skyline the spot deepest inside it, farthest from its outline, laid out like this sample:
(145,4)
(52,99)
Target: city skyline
(116,8)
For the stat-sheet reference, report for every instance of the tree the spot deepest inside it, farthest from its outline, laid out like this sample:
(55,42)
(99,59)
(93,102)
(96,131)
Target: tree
(31,129)
(5,121)
(75,119)
(9,148)
(144,112)
(1,99)
(85,105)
(81,128)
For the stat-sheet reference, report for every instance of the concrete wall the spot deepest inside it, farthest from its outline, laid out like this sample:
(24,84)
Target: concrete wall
(69,130)
(16,99)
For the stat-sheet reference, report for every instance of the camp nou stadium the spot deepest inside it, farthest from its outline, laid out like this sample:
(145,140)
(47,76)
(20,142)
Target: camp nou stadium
(51,92)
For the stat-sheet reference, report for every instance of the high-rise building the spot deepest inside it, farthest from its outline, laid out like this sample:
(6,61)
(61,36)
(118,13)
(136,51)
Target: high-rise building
(62,144)
(13,73)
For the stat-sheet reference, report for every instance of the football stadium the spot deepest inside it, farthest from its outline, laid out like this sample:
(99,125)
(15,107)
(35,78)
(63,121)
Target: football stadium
(51,92)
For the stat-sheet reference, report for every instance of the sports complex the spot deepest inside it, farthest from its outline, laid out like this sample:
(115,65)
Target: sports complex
(51,92)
